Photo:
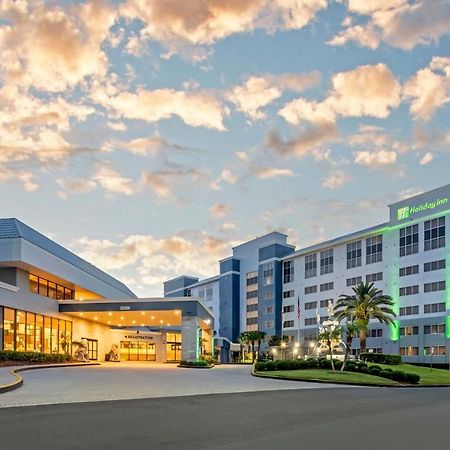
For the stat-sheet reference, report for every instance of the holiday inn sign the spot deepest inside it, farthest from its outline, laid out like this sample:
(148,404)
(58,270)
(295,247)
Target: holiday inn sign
(406,212)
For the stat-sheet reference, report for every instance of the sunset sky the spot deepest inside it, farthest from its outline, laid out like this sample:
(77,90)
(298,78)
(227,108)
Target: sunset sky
(149,136)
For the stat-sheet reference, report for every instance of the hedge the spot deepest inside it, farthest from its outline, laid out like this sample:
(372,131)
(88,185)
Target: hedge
(198,363)
(350,366)
(10,355)
(379,358)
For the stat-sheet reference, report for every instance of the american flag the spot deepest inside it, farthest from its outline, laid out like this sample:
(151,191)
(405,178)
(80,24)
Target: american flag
(298,307)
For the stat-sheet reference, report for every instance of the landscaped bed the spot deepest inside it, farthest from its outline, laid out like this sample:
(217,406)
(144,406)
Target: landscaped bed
(356,372)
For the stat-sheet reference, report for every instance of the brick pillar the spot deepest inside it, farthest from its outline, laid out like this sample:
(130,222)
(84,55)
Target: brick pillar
(189,339)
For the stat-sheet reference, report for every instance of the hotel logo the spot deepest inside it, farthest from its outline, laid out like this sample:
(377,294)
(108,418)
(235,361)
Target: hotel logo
(407,211)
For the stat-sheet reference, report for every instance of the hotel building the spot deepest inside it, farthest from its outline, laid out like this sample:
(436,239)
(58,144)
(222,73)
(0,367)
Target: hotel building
(407,257)
(50,297)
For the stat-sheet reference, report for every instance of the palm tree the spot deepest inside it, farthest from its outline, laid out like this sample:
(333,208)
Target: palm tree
(253,337)
(351,329)
(329,337)
(366,303)
(243,340)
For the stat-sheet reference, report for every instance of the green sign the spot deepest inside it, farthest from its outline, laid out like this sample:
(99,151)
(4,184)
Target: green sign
(407,211)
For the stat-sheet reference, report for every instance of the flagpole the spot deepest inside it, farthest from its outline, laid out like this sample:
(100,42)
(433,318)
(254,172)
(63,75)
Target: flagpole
(298,321)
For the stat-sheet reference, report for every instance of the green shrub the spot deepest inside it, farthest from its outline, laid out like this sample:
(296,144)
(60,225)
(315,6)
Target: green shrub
(386,374)
(375,370)
(271,365)
(380,358)
(337,364)
(10,355)
(364,369)
(412,378)
(300,364)
(351,366)
(312,363)
(260,366)
(324,363)
(399,375)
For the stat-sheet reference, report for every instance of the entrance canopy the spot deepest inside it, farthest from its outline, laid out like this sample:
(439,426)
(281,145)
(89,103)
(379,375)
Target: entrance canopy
(148,312)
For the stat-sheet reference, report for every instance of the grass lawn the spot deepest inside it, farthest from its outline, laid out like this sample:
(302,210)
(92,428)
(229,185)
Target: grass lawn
(328,375)
(427,376)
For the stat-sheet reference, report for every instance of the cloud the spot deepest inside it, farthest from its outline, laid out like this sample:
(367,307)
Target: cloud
(429,89)
(335,179)
(259,91)
(399,23)
(369,90)
(375,159)
(220,210)
(197,109)
(72,186)
(8,174)
(265,173)
(112,181)
(139,146)
(50,48)
(426,159)
(187,27)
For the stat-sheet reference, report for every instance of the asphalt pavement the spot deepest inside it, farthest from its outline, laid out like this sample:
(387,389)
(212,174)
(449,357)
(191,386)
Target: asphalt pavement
(372,418)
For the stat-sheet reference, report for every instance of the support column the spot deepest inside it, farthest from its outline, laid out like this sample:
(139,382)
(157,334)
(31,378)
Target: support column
(189,338)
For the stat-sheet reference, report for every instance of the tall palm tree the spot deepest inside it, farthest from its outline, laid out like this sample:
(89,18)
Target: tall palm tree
(366,303)
(329,337)
(253,337)
(351,329)
(243,340)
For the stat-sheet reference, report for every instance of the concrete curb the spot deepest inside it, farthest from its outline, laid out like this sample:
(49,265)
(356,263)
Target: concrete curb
(312,380)
(19,380)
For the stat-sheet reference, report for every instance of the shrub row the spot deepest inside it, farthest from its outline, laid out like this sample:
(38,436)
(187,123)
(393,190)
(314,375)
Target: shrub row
(350,366)
(379,358)
(10,355)
(198,363)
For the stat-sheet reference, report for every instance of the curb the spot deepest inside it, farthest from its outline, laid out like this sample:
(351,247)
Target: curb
(312,380)
(19,380)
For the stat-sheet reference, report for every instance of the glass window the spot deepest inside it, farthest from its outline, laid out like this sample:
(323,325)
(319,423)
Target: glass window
(51,290)
(434,233)
(288,271)
(409,240)
(311,265)
(354,253)
(326,261)
(268,273)
(47,334)
(20,331)
(34,284)
(55,340)
(30,332)
(59,292)
(374,249)
(39,333)
(8,328)
(43,287)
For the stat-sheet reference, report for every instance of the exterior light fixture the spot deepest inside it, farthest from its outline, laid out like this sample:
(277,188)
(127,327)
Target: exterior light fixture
(168,324)
(161,321)
(283,344)
(110,314)
(121,318)
(142,324)
(152,317)
(142,313)
(134,321)
(95,318)
(109,322)
(274,351)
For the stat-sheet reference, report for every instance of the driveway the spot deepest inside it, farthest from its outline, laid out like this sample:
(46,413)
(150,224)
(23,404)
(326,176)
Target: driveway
(112,381)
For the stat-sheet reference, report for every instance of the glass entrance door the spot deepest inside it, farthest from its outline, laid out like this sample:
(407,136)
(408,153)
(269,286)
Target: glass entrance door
(137,351)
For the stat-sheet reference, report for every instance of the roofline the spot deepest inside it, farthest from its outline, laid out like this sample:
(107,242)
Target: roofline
(260,237)
(180,277)
(336,241)
(419,195)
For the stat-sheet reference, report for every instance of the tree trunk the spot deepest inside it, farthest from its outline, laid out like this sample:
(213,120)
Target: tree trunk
(348,348)
(253,351)
(362,340)
(331,355)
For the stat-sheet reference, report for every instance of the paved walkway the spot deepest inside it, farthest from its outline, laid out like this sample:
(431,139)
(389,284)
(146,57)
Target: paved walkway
(122,381)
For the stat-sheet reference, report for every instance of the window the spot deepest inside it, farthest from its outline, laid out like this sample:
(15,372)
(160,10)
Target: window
(372,277)
(310,305)
(267,273)
(311,265)
(409,331)
(436,350)
(288,271)
(326,261)
(34,284)
(268,323)
(433,287)
(326,287)
(378,332)
(252,320)
(323,319)
(408,310)
(354,281)
(410,270)
(409,240)
(288,324)
(268,295)
(252,278)
(288,308)
(409,290)
(409,351)
(434,265)
(354,253)
(434,329)
(325,303)
(288,294)
(252,294)
(92,348)
(310,338)
(310,289)
(268,310)
(188,293)
(374,249)
(434,233)
(433,308)
(311,321)
(253,307)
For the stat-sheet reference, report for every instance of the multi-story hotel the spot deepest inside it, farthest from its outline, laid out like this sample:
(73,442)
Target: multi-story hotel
(50,297)
(407,257)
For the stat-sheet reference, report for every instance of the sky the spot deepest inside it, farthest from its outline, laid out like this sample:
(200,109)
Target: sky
(150,136)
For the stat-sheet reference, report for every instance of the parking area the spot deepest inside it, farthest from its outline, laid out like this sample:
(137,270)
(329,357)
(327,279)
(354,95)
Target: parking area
(120,381)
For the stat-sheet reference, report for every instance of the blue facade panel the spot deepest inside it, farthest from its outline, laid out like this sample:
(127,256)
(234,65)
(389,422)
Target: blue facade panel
(176,287)
(230,265)
(229,291)
(274,251)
